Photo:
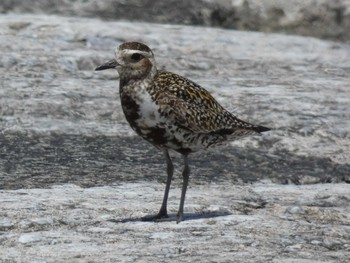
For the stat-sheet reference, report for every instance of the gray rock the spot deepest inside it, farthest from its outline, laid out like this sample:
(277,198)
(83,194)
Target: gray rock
(322,18)
(295,210)
(29,238)
(5,224)
(216,235)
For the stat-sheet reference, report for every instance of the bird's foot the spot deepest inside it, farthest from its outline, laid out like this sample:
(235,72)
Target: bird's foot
(163,217)
(179,217)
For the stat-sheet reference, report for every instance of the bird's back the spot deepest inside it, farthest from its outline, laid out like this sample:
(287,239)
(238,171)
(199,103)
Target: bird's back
(194,108)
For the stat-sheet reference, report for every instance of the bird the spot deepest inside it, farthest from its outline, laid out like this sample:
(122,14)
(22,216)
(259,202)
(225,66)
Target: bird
(171,112)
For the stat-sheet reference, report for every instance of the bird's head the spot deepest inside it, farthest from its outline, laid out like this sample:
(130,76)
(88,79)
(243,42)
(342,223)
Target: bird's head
(133,60)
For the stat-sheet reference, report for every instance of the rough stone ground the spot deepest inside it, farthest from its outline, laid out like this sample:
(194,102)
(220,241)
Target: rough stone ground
(318,18)
(75,180)
(226,223)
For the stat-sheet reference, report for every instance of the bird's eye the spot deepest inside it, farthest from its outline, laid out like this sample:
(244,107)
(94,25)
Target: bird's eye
(136,57)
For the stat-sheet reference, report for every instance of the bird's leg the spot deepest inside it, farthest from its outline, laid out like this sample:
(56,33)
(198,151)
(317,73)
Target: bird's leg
(163,209)
(185,175)
(170,171)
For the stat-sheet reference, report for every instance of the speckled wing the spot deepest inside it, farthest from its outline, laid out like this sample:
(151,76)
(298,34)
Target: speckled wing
(194,108)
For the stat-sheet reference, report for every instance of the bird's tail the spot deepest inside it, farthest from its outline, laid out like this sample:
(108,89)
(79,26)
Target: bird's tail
(261,129)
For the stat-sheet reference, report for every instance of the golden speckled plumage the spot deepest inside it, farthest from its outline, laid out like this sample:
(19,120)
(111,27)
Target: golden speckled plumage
(171,112)
(193,107)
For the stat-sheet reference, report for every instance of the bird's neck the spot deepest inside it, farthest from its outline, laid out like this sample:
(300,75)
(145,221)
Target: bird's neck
(128,77)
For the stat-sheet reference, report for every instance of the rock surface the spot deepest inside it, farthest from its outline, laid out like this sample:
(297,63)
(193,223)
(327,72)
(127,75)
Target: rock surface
(62,129)
(225,223)
(321,18)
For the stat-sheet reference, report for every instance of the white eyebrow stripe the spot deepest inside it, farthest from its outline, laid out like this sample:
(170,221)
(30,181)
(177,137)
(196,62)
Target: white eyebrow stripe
(133,51)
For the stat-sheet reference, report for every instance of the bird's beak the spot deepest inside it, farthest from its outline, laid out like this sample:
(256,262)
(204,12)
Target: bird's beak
(109,64)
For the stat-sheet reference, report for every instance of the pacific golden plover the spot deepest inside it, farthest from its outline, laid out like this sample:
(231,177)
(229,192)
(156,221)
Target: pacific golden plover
(171,112)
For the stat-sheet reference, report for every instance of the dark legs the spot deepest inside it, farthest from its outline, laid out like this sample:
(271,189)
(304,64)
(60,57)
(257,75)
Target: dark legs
(163,214)
(170,170)
(185,175)
(163,209)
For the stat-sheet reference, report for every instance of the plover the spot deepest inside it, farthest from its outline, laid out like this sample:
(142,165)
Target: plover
(171,112)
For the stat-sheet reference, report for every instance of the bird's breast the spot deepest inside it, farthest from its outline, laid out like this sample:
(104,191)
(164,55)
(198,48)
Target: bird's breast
(140,109)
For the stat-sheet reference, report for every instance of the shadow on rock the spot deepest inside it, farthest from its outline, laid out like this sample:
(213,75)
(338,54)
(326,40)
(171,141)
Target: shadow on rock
(172,217)
(30,160)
